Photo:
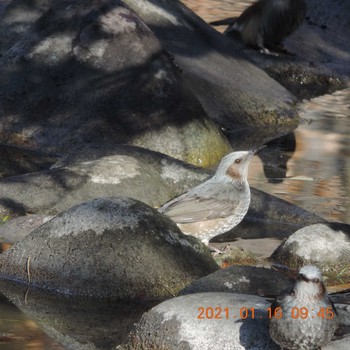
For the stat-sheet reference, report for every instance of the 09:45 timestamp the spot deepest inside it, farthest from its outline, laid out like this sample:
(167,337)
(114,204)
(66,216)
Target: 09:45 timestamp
(243,313)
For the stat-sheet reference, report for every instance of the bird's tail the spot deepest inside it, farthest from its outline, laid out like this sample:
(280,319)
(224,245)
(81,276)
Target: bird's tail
(227,21)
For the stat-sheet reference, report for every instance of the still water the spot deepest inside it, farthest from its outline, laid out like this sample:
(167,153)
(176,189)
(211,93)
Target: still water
(315,175)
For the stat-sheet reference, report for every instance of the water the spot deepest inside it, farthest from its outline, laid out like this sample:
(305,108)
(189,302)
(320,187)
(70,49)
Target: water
(310,169)
(317,177)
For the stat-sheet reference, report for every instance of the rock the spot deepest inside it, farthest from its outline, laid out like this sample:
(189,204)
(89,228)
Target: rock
(108,248)
(325,245)
(99,171)
(233,91)
(205,321)
(77,72)
(241,279)
(16,229)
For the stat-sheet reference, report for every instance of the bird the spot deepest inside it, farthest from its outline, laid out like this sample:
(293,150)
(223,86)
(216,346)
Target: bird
(266,23)
(303,318)
(216,205)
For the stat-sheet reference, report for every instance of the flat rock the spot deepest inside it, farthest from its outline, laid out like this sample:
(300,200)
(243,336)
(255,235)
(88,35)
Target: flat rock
(241,279)
(108,248)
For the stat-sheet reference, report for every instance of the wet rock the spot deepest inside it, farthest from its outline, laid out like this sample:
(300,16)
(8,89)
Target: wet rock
(16,229)
(103,170)
(241,279)
(108,248)
(324,245)
(205,321)
(233,91)
(77,72)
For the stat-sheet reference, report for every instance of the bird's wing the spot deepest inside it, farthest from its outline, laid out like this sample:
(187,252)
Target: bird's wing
(192,207)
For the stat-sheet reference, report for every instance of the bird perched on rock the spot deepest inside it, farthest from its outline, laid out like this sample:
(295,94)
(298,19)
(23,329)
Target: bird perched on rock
(216,205)
(303,318)
(266,23)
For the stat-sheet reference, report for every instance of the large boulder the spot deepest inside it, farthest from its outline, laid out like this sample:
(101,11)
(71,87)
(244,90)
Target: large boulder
(217,321)
(232,90)
(108,248)
(98,171)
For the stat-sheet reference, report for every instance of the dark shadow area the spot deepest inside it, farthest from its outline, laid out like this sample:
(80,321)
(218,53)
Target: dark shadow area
(15,207)
(17,161)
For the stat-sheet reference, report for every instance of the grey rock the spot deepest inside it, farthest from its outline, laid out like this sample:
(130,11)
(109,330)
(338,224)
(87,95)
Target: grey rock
(108,248)
(233,91)
(241,279)
(324,245)
(175,324)
(96,172)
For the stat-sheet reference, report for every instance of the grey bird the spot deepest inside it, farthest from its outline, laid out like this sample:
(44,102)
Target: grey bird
(216,205)
(305,317)
(266,23)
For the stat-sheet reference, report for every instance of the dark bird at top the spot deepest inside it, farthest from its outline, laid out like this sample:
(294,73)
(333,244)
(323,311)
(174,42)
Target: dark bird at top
(266,23)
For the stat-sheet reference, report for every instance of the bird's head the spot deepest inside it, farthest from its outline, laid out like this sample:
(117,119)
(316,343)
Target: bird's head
(309,283)
(234,166)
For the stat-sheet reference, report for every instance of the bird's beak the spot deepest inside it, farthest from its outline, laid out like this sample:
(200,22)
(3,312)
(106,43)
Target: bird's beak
(256,150)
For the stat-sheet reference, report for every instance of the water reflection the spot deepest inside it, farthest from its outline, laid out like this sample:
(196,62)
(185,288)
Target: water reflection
(317,175)
(18,333)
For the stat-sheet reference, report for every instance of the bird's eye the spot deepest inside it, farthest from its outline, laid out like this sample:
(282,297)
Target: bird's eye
(237,161)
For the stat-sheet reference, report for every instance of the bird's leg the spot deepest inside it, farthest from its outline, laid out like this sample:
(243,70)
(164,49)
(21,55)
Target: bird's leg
(214,250)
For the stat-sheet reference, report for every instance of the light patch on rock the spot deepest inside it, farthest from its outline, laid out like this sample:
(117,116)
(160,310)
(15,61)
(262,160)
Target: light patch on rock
(177,174)
(149,8)
(228,285)
(109,169)
(311,240)
(111,22)
(54,47)
(88,217)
